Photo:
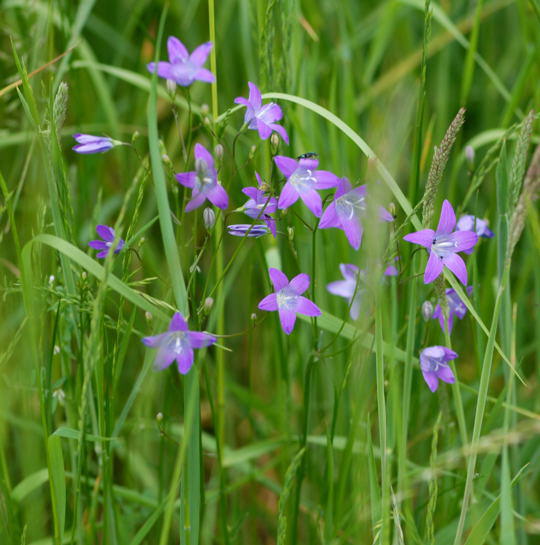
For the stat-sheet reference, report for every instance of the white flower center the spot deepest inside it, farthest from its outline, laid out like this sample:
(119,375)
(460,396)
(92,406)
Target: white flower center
(176,341)
(287,299)
(204,177)
(302,179)
(351,205)
(444,245)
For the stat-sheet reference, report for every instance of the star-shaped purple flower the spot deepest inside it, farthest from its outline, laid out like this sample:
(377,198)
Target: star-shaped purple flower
(347,210)
(349,288)
(177,343)
(182,67)
(472,223)
(443,245)
(107,234)
(88,143)
(260,205)
(262,117)
(303,181)
(203,180)
(288,299)
(456,308)
(434,366)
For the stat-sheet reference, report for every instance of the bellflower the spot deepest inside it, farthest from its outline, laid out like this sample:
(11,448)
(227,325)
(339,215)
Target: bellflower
(434,366)
(177,343)
(88,143)
(456,308)
(347,210)
(349,288)
(107,234)
(182,67)
(243,229)
(472,223)
(303,181)
(391,269)
(288,299)
(444,244)
(262,117)
(203,180)
(259,201)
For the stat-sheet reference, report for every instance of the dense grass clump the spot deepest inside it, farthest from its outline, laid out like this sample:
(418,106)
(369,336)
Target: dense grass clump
(276,364)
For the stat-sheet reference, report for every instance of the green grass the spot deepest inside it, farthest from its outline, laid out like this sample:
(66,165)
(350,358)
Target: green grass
(329,435)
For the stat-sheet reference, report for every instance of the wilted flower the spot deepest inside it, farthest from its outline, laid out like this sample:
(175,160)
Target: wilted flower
(177,343)
(182,67)
(303,180)
(259,117)
(243,229)
(472,223)
(456,307)
(433,363)
(108,235)
(347,210)
(349,288)
(203,180)
(288,299)
(443,245)
(88,143)
(260,205)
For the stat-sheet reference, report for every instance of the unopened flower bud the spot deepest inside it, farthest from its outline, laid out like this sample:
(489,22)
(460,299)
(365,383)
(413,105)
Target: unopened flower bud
(56,349)
(171,86)
(204,109)
(253,316)
(159,416)
(252,151)
(148,316)
(209,218)
(392,209)
(469,155)
(427,310)
(51,280)
(84,275)
(166,159)
(290,233)
(135,137)
(218,151)
(274,140)
(208,304)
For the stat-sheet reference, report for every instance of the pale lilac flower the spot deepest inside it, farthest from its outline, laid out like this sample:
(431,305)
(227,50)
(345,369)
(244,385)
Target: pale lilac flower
(471,223)
(203,180)
(177,343)
(88,143)
(107,234)
(443,245)
(391,269)
(260,205)
(433,363)
(245,229)
(262,117)
(456,307)
(288,299)
(182,67)
(347,211)
(303,180)
(349,288)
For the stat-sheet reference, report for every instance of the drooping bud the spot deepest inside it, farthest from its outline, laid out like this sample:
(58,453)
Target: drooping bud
(427,310)
(469,155)
(208,304)
(209,218)
(171,86)
(218,151)
(274,140)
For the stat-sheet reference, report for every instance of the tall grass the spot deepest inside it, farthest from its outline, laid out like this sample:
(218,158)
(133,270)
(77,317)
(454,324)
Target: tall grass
(329,435)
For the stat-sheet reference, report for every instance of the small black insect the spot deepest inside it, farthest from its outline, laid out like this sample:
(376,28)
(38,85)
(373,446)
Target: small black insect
(308,155)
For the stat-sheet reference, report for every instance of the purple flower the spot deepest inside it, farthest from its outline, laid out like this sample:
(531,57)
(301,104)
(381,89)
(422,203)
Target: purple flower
(203,180)
(391,269)
(349,288)
(443,245)
(243,229)
(108,235)
(182,67)
(288,299)
(88,143)
(347,210)
(303,180)
(456,307)
(259,117)
(177,343)
(472,223)
(434,367)
(259,201)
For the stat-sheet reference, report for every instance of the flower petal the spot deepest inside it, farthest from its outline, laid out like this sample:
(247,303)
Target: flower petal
(199,339)
(434,268)
(184,361)
(307,307)
(187,179)
(164,358)
(200,54)
(447,221)
(279,279)
(255,98)
(103,254)
(384,214)
(431,380)
(445,374)
(423,237)
(300,283)
(196,201)
(202,74)
(269,302)
(312,200)
(286,165)
(343,288)
(178,323)
(176,50)
(456,264)
(264,130)
(202,153)
(164,69)
(105,232)
(288,196)
(287,319)
(154,340)
(344,186)
(353,231)
(281,131)
(98,245)
(329,217)
(465,240)
(218,197)
(349,271)
(325,179)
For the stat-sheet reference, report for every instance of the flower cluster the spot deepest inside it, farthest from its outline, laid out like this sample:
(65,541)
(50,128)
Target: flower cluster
(303,180)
